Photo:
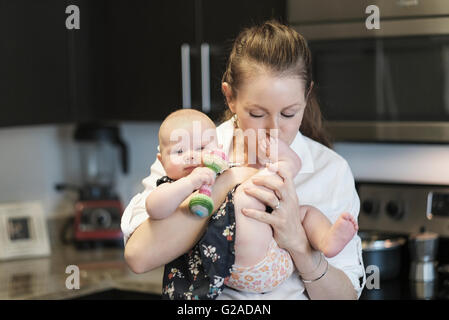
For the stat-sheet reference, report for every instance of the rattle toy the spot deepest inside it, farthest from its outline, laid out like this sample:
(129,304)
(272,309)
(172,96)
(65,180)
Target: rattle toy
(202,204)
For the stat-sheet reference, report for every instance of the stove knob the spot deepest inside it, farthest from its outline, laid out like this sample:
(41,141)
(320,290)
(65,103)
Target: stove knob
(395,209)
(370,207)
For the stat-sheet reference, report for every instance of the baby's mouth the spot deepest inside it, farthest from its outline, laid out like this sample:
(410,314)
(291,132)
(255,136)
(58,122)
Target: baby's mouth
(190,168)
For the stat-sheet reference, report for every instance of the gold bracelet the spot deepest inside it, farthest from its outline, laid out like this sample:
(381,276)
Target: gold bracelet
(322,275)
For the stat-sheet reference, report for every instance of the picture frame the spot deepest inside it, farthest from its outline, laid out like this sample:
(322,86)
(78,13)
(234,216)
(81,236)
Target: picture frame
(23,231)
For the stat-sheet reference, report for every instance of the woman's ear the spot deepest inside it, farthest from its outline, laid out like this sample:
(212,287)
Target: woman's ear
(227,91)
(159,157)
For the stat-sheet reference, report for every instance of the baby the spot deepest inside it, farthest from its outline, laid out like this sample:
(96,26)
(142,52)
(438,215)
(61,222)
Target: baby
(260,264)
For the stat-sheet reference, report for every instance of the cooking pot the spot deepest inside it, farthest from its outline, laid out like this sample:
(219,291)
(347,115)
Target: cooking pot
(384,251)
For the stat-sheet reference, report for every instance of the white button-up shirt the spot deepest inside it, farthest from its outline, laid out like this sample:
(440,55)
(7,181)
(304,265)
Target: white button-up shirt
(325,181)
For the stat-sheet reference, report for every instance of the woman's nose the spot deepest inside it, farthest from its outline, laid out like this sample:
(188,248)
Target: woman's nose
(272,123)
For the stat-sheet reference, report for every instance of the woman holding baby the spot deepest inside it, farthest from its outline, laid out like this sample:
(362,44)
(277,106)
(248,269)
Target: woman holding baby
(267,85)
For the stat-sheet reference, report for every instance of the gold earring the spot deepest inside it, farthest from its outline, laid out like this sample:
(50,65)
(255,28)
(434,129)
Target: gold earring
(235,119)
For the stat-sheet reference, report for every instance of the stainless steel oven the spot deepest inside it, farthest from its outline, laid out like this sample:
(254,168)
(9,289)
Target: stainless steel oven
(386,84)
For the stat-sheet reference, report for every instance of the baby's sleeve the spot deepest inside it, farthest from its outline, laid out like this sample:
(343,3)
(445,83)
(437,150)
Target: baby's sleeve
(346,199)
(136,213)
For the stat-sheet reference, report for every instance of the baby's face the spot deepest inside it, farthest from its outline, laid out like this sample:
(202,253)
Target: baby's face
(184,145)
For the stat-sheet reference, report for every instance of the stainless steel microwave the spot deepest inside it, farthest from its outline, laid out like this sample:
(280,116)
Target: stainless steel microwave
(387,84)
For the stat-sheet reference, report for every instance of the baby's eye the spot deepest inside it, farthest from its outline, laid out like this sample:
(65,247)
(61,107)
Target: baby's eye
(179,151)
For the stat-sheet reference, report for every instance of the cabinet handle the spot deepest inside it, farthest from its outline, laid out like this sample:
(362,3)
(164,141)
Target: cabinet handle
(205,78)
(185,74)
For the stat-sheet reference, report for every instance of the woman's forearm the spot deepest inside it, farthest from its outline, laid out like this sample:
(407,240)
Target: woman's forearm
(157,242)
(333,285)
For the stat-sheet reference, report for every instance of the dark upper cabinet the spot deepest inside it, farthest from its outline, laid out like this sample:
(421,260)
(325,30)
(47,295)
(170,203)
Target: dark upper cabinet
(142,57)
(223,20)
(33,63)
(161,56)
(134,60)
(217,24)
(86,52)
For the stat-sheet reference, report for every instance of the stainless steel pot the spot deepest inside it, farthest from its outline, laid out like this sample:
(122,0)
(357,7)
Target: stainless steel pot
(423,250)
(384,251)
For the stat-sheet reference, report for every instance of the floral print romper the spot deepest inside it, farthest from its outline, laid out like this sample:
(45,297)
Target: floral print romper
(200,274)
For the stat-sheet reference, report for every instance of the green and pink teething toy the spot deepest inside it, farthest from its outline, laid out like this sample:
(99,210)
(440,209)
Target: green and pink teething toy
(202,204)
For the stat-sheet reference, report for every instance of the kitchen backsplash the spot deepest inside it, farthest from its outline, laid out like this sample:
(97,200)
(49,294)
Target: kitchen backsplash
(33,159)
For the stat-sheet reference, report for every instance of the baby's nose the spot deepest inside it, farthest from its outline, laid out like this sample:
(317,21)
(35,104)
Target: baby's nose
(192,158)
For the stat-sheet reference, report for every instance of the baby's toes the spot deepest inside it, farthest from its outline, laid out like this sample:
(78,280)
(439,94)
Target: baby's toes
(347,216)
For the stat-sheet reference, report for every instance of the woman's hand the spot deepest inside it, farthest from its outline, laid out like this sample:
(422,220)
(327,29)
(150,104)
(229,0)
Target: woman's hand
(279,193)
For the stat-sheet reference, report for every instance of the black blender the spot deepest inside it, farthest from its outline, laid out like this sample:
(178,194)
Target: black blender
(98,210)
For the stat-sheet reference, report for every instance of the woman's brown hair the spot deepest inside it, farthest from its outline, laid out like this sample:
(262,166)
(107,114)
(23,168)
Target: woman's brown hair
(283,51)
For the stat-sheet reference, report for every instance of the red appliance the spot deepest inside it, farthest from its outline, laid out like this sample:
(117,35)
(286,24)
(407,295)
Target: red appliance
(98,210)
(98,220)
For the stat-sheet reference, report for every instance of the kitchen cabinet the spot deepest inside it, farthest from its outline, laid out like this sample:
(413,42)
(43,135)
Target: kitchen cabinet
(148,73)
(217,23)
(123,64)
(49,73)
(142,57)
(33,62)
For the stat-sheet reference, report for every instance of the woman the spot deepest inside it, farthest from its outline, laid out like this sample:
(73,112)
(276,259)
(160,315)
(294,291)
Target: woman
(267,85)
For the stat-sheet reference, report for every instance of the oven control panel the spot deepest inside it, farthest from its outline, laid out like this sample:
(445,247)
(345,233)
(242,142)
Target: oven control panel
(403,208)
(438,204)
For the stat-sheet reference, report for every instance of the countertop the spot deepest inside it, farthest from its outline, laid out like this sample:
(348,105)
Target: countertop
(99,269)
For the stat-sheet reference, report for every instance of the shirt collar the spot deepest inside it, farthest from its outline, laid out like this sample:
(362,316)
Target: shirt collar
(301,147)
(225,132)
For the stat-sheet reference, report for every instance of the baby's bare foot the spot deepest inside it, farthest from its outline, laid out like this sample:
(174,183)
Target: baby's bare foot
(279,153)
(338,236)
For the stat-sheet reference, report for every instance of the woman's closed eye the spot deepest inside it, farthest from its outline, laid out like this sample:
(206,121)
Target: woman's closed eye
(255,115)
(290,115)
(286,115)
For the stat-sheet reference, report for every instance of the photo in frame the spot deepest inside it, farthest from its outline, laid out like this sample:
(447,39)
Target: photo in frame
(23,231)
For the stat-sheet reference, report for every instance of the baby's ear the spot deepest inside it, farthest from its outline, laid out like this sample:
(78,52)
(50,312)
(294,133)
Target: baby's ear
(220,146)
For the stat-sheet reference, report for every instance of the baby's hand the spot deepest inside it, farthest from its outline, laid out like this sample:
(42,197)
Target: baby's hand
(200,176)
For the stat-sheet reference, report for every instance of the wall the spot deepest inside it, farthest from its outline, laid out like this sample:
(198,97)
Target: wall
(33,159)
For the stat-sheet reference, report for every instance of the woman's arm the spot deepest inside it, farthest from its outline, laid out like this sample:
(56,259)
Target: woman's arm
(157,242)
(333,285)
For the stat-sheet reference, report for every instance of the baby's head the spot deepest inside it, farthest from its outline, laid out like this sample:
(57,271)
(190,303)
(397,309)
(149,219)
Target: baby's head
(183,136)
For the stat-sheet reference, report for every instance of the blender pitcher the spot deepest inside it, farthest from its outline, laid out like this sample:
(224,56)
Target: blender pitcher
(101,148)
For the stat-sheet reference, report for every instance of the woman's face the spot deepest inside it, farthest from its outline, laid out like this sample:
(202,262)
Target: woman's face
(269,102)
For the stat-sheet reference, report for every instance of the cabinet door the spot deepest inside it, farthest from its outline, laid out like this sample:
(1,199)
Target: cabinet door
(87,62)
(33,62)
(223,20)
(143,57)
